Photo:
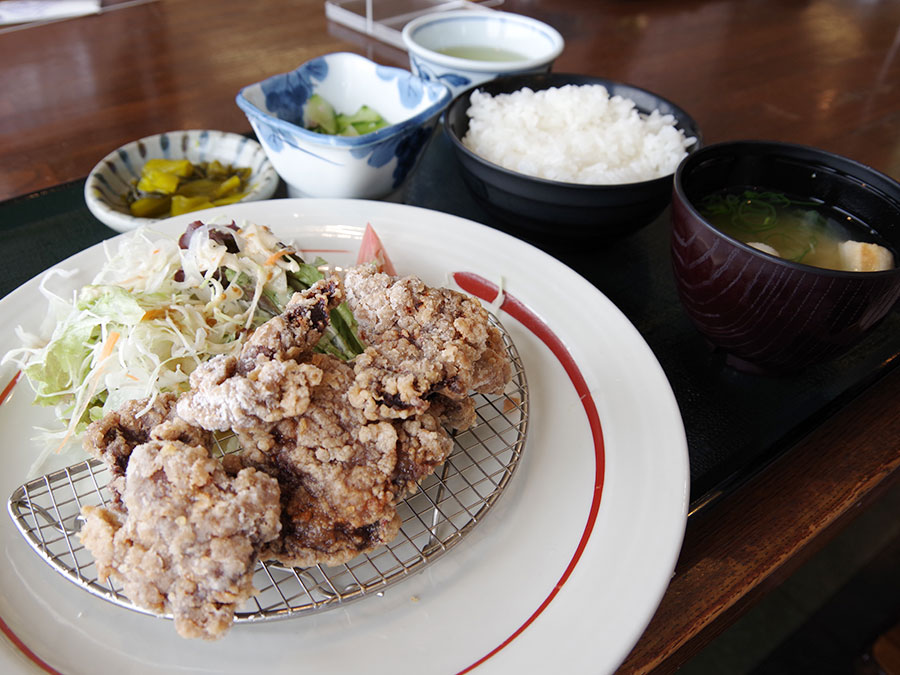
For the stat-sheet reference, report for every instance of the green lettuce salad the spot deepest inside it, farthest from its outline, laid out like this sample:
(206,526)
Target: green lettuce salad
(156,310)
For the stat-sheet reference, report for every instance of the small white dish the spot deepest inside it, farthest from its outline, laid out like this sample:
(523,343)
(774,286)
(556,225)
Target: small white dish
(372,165)
(462,48)
(112,178)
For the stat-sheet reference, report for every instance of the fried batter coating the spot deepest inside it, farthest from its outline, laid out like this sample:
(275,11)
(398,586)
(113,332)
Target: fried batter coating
(312,535)
(221,398)
(332,449)
(493,371)
(421,341)
(113,437)
(423,445)
(298,329)
(454,413)
(188,536)
(265,383)
(341,474)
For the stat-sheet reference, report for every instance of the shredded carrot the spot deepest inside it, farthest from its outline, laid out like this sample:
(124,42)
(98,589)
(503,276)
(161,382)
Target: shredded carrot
(151,314)
(132,377)
(275,256)
(110,343)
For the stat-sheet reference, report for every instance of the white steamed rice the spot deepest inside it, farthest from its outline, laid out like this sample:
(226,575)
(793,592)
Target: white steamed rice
(574,134)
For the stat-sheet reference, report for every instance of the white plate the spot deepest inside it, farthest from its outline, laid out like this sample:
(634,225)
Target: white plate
(564,573)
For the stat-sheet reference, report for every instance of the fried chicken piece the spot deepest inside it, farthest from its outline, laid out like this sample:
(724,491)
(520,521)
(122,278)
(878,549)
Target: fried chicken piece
(421,341)
(188,538)
(298,329)
(423,445)
(454,413)
(265,383)
(332,449)
(222,398)
(341,474)
(113,437)
(493,371)
(312,535)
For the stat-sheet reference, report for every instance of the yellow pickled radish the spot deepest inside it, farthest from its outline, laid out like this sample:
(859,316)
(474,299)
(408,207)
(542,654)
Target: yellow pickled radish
(151,206)
(171,187)
(181,204)
(228,187)
(154,180)
(180,167)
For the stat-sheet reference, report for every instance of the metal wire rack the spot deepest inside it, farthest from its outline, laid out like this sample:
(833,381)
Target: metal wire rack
(448,504)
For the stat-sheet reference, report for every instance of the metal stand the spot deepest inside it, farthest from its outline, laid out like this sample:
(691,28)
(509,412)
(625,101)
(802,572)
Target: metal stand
(386,21)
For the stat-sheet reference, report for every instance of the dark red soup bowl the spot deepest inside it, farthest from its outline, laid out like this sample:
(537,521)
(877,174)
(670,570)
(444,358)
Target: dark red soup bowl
(767,314)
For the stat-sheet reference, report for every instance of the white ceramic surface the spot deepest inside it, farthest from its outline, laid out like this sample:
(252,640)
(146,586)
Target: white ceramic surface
(111,179)
(424,37)
(599,558)
(369,166)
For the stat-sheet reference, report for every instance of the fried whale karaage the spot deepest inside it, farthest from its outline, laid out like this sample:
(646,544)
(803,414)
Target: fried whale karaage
(328,448)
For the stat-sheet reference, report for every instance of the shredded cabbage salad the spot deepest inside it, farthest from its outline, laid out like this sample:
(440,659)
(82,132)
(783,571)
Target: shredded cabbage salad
(157,309)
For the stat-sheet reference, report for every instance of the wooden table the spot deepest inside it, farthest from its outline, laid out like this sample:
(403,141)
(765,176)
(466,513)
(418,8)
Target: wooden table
(822,73)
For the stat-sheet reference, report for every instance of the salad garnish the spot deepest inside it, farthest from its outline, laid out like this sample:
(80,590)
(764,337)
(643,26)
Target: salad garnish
(156,310)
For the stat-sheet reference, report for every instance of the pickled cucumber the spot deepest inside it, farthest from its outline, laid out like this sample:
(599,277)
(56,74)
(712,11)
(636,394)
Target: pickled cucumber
(320,116)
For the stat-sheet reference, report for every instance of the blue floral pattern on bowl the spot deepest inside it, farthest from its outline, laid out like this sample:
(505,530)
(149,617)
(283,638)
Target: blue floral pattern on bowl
(286,93)
(367,166)
(410,87)
(453,80)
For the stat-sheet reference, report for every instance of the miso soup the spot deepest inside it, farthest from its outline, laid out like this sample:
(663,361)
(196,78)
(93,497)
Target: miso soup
(793,228)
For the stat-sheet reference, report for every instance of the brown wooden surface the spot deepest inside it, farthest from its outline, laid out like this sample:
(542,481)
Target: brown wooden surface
(886,651)
(819,72)
(755,538)
(816,72)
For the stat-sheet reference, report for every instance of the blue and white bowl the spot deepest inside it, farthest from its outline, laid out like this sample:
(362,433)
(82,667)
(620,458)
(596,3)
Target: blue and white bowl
(369,166)
(515,43)
(111,179)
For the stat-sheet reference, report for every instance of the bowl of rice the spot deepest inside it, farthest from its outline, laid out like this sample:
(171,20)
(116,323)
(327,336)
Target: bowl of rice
(564,155)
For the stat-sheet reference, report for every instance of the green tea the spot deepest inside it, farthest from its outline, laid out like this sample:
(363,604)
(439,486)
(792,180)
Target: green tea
(481,53)
(794,228)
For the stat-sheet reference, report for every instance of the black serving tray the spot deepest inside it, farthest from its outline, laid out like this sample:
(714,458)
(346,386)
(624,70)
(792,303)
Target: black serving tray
(736,423)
